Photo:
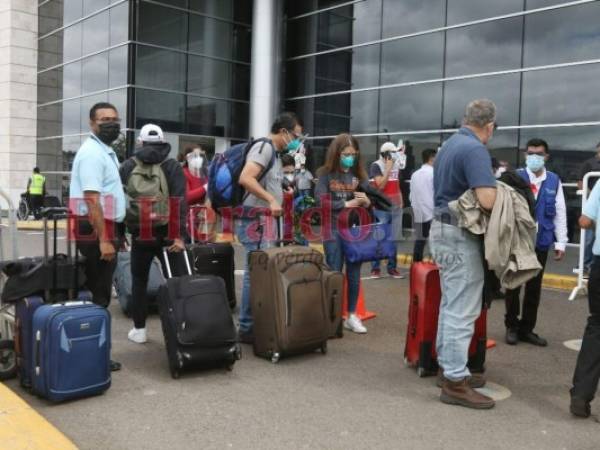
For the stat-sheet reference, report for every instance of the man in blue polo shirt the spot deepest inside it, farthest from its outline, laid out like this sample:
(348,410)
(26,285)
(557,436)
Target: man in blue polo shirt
(98,202)
(463,163)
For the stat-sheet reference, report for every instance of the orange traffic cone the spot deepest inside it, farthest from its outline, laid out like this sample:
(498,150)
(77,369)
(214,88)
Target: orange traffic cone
(361,309)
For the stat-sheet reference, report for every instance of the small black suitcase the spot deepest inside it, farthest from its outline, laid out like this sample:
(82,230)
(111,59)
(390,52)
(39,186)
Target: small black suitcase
(216,259)
(196,321)
(212,258)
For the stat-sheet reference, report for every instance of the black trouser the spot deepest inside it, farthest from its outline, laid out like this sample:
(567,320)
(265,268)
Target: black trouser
(587,370)
(422,233)
(531,300)
(142,254)
(98,273)
(36,202)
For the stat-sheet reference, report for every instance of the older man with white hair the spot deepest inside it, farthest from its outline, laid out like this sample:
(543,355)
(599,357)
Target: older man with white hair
(463,163)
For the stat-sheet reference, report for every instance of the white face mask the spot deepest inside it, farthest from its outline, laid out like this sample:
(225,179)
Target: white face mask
(289,177)
(303,170)
(499,172)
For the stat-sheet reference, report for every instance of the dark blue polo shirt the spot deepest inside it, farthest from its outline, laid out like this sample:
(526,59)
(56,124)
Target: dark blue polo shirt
(463,163)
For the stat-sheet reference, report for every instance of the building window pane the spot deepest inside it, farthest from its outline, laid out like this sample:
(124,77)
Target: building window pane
(163,26)
(72,79)
(95,73)
(50,51)
(50,17)
(561,95)
(162,108)
(562,35)
(119,24)
(207,116)
(460,11)
(49,121)
(117,66)
(218,78)
(95,33)
(73,10)
(50,85)
(71,117)
(410,16)
(502,43)
(502,90)
(217,38)
(162,69)
(411,108)
(89,6)
(72,42)
(413,59)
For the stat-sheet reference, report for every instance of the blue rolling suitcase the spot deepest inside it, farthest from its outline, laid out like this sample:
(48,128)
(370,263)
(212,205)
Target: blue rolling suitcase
(24,310)
(70,351)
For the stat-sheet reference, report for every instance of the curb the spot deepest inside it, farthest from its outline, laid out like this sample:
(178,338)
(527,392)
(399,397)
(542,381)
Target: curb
(21,427)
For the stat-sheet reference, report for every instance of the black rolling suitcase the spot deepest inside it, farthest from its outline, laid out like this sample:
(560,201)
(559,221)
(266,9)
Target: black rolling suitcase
(214,259)
(196,321)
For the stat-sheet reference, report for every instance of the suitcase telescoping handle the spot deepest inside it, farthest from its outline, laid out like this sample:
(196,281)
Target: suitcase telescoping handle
(168,262)
(58,213)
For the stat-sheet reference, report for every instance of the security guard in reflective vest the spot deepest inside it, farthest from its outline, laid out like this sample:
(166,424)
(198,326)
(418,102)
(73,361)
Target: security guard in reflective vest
(36,188)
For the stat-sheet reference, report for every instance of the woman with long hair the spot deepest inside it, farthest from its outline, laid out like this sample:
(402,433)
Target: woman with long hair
(339,179)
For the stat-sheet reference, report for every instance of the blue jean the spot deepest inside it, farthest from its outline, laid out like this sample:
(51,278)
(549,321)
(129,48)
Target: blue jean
(334,256)
(459,255)
(388,217)
(588,256)
(249,236)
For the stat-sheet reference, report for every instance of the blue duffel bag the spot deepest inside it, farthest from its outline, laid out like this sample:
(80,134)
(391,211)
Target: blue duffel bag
(371,242)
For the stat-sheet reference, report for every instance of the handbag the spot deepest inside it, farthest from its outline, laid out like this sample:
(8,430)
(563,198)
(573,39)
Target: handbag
(371,242)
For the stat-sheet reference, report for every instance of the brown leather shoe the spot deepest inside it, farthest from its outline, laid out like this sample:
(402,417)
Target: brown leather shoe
(460,393)
(476,380)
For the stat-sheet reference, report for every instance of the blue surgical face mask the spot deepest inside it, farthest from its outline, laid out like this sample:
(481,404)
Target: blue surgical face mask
(535,163)
(294,144)
(347,161)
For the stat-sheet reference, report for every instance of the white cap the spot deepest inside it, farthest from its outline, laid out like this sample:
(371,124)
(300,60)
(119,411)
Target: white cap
(151,133)
(388,147)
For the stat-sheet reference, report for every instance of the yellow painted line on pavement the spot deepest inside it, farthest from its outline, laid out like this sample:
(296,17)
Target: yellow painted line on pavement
(550,281)
(22,428)
(39,225)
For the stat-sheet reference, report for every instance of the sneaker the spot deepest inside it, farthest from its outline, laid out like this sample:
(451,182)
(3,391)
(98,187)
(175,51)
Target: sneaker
(138,335)
(353,323)
(376,273)
(395,273)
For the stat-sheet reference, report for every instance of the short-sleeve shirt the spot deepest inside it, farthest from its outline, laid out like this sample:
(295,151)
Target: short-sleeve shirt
(96,169)
(261,154)
(304,180)
(590,165)
(463,163)
(591,209)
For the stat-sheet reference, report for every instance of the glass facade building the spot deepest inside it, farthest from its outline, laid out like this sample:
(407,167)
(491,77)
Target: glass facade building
(405,69)
(183,64)
(381,69)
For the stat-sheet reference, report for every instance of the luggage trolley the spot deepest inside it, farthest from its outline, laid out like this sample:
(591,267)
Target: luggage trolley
(8,238)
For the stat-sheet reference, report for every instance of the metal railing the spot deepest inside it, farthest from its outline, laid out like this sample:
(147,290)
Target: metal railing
(581,287)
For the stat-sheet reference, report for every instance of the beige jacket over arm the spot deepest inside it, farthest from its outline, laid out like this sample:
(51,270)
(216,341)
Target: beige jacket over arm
(510,234)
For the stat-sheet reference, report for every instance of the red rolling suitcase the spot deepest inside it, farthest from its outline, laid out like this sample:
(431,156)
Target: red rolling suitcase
(423,311)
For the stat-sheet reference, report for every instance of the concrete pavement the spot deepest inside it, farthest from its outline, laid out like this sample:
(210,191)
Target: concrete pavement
(359,395)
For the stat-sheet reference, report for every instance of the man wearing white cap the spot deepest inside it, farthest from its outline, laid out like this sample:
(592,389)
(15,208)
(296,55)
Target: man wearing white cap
(385,175)
(152,175)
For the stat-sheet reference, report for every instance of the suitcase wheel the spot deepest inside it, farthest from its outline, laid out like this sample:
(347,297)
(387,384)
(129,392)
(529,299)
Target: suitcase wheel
(324,348)
(175,374)
(275,357)
(8,360)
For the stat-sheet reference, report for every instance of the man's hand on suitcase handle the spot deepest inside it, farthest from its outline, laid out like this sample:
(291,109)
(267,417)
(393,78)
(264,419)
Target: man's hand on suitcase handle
(177,246)
(107,251)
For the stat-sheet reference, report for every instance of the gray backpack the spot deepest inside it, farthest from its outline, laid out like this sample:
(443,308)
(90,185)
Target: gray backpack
(147,185)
